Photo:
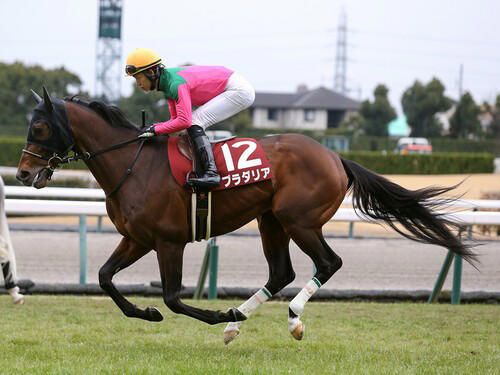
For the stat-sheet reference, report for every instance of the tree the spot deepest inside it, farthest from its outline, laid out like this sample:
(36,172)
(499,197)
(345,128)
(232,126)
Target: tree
(465,121)
(494,127)
(236,123)
(420,104)
(353,124)
(377,114)
(154,103)
(16,103)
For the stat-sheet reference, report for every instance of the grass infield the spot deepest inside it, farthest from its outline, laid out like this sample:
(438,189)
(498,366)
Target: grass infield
(89,335)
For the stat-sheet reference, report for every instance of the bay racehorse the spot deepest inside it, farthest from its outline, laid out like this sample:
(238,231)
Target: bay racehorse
(151,211)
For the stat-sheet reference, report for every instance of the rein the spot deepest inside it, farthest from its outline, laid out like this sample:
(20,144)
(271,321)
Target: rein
(56,160)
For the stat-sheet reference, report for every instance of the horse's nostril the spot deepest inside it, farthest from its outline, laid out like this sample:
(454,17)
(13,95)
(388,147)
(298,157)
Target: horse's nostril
(23,175)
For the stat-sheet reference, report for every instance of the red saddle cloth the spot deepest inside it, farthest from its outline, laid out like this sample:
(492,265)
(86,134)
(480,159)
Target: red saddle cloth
(240,161)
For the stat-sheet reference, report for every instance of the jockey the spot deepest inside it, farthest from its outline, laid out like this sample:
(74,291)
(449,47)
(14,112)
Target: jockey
(218,93)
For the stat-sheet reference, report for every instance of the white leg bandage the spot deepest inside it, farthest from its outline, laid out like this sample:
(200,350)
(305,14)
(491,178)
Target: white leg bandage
(249,306)
(297,304)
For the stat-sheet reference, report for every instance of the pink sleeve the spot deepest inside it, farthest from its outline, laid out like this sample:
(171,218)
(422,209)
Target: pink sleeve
(171,109)
(183,111)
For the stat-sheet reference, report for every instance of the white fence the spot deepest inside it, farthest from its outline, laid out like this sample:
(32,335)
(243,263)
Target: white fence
(467,215)
(74,208)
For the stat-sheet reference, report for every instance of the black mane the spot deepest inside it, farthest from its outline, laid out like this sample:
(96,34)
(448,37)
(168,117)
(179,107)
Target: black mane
(112,114)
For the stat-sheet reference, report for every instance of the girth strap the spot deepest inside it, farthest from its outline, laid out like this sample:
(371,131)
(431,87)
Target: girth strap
(201,215)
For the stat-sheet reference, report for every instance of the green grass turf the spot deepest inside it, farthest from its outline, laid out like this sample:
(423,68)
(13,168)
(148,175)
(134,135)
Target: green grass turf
(89,335)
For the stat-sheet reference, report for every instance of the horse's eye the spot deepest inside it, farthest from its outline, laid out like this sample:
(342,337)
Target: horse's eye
(41,130)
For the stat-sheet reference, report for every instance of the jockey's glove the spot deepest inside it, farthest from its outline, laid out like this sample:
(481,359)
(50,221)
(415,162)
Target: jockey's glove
(148,132)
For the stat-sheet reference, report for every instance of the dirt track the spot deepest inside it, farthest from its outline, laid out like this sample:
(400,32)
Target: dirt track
(472,187)
(53,257)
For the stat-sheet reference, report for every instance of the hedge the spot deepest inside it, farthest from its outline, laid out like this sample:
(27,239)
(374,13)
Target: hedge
(10,153)
(436,163)
(11,148)
(439,144)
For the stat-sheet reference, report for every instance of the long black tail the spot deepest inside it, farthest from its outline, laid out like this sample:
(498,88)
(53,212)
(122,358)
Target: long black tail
(381,199)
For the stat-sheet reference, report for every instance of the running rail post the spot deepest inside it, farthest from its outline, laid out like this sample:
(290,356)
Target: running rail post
(457,273)
(441,277)
(83,249)
(457,280)
(213,261)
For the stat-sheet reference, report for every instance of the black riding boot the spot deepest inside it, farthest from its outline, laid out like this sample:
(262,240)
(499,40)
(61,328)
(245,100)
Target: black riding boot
(208,176)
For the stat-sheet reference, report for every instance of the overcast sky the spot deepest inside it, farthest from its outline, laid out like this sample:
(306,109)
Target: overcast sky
(276,45)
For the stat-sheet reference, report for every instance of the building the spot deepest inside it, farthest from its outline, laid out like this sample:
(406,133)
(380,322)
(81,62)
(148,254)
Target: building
(317,109)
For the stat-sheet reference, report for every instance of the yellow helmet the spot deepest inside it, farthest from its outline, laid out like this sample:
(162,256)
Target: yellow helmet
(141,59)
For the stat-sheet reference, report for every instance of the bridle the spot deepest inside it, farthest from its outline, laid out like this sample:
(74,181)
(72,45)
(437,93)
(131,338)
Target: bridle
(55,160)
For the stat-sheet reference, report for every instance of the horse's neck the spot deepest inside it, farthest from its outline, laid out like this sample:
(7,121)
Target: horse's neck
(92,134)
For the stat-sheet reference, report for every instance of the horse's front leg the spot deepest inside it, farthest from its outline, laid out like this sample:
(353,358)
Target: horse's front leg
(170,261)
(125,254)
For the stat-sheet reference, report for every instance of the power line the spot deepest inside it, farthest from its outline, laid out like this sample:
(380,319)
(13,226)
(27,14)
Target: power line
(399,66)
(424,53)
(374,33)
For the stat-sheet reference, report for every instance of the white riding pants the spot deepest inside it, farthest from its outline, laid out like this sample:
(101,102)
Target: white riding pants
(238,95)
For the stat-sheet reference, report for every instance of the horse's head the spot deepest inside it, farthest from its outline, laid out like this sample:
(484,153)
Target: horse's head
(49,140)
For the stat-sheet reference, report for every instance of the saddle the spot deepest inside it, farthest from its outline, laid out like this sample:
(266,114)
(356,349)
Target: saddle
(185,146)
(240,161)
(200,200)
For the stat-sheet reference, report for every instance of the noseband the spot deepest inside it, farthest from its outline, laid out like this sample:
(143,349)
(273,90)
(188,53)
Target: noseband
(52,162)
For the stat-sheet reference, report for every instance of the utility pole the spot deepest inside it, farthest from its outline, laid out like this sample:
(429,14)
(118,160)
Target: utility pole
(339,83)
(109,69)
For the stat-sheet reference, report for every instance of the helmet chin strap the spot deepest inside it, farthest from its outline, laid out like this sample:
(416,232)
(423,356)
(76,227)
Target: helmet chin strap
(153,77)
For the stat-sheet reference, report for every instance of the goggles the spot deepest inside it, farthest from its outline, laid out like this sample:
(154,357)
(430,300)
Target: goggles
(132,69)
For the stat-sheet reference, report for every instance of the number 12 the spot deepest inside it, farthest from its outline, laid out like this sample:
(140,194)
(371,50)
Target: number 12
(243,161)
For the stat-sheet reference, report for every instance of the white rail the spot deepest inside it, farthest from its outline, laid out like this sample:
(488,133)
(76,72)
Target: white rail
(459,203)
(77,208)
(464,217)
(54,207)
(83,193)
(53,192)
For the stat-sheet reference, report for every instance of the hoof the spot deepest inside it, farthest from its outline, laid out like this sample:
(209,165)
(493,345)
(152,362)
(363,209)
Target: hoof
(298,332)
(230,336)
(19,301)
(153,315)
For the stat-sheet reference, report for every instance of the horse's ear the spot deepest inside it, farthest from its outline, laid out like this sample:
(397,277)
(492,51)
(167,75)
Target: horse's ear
(47,101)
(36,96)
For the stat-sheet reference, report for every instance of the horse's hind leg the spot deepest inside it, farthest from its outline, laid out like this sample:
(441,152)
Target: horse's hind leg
(125,254)
(275,243)
(311,241)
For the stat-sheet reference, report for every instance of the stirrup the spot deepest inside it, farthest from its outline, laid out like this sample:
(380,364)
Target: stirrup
(204,181)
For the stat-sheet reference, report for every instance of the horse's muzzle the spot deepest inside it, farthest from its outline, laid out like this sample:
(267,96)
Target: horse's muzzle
(24,177)
(38,180)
